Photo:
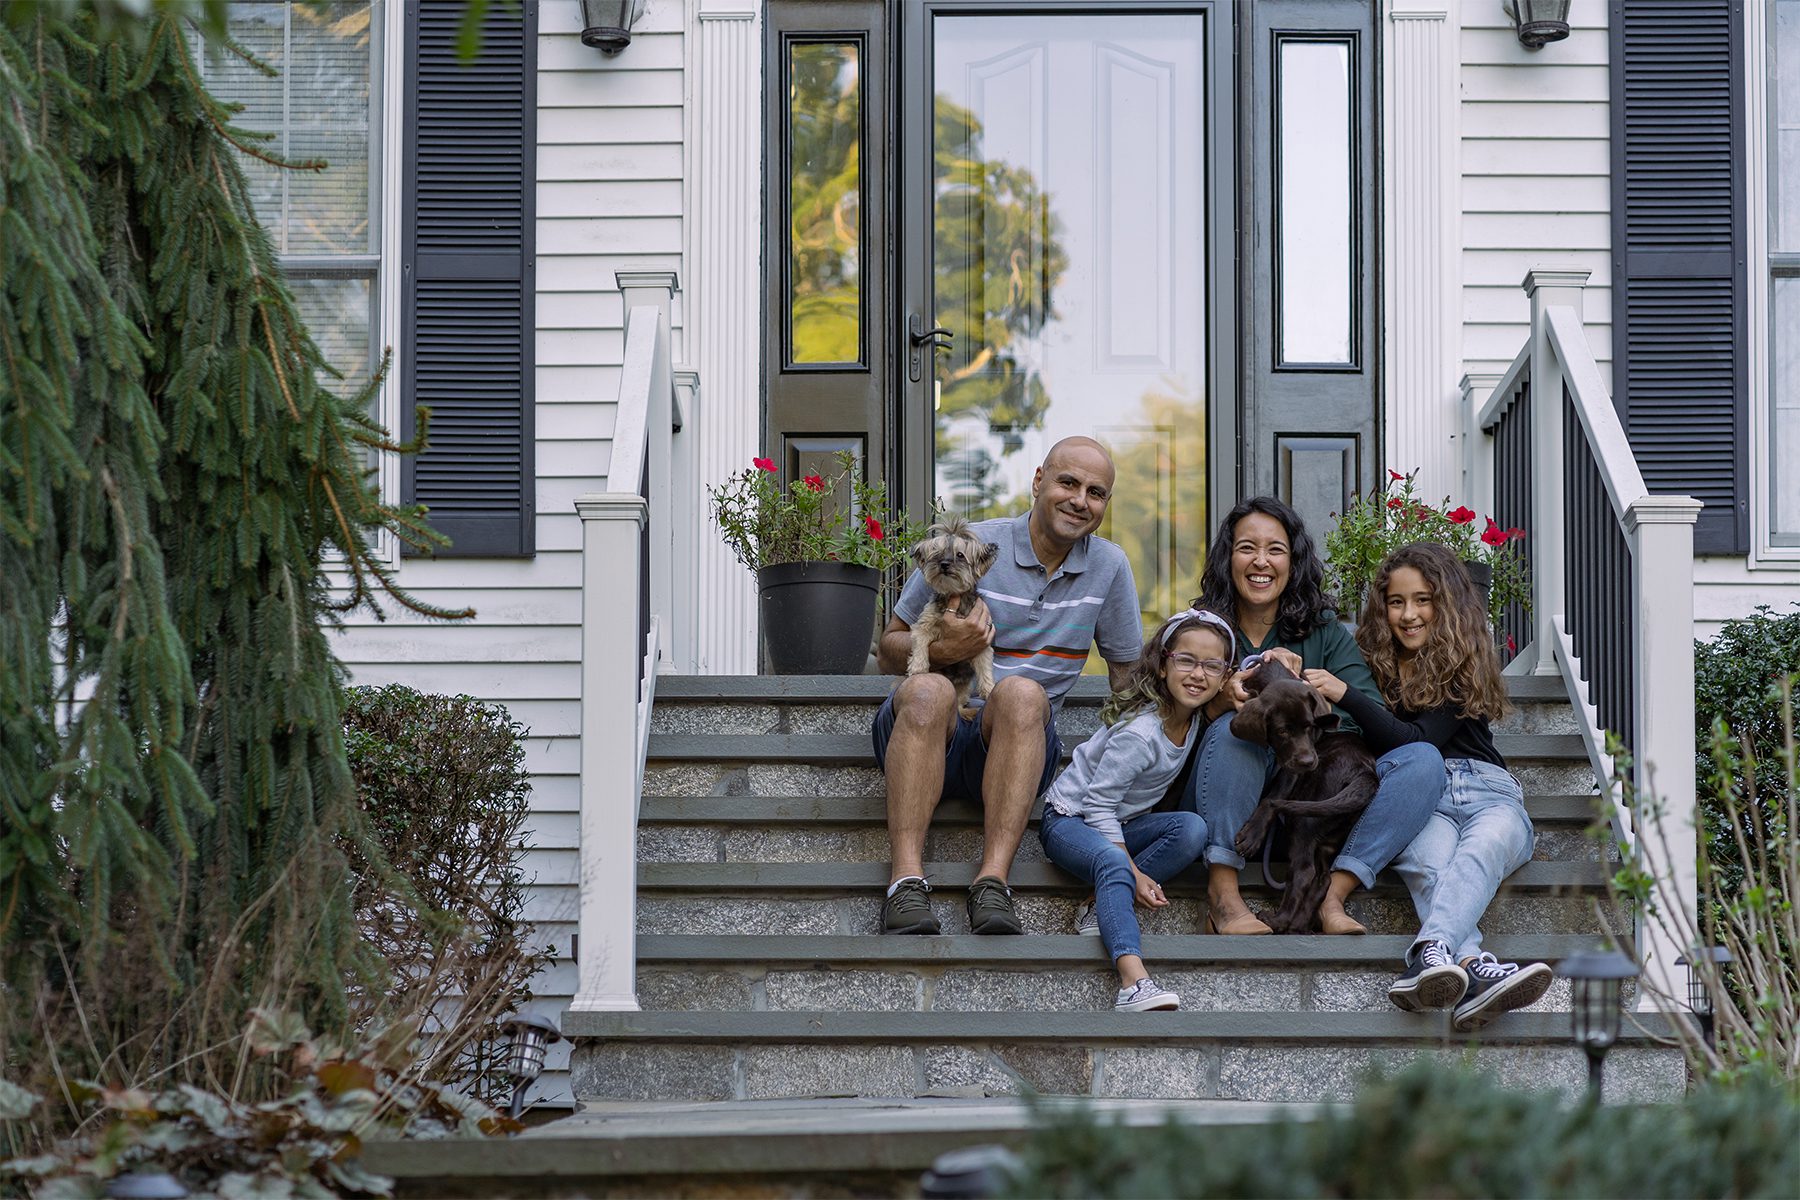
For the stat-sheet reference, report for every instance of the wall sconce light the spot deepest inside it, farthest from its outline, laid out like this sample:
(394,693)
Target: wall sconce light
(1598,978)
(606,24)
(1539,22)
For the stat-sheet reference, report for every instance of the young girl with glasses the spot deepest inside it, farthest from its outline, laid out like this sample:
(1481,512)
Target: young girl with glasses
(1097,822)
(1424,632)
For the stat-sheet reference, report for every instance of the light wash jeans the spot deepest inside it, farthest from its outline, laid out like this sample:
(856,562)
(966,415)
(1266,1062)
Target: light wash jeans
(1230,776)
(1478,836)
(1163,844)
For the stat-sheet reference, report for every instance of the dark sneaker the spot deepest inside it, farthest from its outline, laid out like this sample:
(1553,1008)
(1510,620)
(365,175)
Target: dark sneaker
(908,910)
(1431,979)
(1496,987)
(991,907)
(1145,996)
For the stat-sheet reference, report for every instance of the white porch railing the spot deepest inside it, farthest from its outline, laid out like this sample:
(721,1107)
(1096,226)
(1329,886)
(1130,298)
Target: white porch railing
(1612,585)
(627,571)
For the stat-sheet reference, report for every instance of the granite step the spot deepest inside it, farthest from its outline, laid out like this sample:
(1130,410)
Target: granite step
(1279,1056)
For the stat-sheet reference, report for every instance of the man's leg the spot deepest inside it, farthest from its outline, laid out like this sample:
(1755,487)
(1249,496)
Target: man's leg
(924,715)
(1013,725)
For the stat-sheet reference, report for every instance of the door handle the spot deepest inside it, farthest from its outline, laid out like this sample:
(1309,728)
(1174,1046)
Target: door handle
(919,337)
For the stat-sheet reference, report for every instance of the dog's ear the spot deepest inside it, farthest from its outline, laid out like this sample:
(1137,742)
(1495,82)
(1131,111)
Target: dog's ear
(1254,681)
(918,553)
(1325,718)
(989,552)
(1248,725)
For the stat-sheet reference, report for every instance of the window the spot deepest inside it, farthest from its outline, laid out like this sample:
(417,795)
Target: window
(323,104)
(1783,330)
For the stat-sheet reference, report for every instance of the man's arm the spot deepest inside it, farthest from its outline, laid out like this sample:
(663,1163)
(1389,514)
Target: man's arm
(1118,674)
(959,640)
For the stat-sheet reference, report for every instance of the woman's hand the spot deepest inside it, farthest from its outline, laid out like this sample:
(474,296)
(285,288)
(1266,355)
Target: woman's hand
(1285,657)
(1325,683)
(1149,892)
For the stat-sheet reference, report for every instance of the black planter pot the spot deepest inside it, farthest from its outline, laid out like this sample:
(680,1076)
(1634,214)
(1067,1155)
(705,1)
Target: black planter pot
(818,618)
(1482,575)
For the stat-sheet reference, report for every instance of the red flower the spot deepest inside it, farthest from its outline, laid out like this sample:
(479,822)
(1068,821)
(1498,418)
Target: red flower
(1512,647)
(1516,533)
(1493,535)
(1394,475)
(1396,502)
(815,483)
(763,464)
(874,528)
(1462,516)
(1425,513)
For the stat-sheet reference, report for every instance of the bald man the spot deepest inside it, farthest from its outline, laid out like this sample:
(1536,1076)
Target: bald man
(1055,589)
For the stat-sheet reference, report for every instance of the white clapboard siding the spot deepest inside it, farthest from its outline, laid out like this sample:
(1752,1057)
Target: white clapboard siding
(1536,168)
(1726,588)
(609,198)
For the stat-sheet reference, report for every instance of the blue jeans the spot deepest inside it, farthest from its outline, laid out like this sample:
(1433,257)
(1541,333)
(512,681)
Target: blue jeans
(1162,844)
(1231,774)
(1478,836)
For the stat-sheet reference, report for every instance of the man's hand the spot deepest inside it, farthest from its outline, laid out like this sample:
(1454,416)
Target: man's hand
(962,638)
(1325,683)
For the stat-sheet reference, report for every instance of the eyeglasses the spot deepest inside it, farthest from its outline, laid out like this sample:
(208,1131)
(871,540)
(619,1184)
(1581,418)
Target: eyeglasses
(1186,663)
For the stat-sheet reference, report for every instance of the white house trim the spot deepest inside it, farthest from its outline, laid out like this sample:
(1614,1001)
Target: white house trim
(1422,404)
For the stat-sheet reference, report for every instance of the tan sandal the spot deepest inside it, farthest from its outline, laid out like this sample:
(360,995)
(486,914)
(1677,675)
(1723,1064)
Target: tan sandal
(1333,919)
(1245,924)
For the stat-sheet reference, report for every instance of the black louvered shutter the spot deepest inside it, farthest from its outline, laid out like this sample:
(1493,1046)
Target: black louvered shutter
(1679,372)
(471,134)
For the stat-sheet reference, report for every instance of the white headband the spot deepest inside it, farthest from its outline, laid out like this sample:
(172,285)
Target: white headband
(1204,617)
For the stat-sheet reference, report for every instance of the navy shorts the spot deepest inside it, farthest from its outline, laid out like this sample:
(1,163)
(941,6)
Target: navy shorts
(965,758)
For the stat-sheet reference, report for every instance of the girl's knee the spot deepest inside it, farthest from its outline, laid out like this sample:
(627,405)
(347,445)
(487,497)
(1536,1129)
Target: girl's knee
(1190,832)
(1112,865)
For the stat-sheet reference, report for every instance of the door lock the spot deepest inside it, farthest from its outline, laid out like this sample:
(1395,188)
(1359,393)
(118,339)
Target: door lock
(937,337)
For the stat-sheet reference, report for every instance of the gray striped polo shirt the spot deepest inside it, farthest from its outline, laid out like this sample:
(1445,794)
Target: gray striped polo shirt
(1043,623)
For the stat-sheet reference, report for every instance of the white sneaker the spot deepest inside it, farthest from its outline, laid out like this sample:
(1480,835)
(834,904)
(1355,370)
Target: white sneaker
(1143,996)
(1087,920)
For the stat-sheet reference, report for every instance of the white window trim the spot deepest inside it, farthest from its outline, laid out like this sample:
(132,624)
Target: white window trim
(391,65)
(1764,554)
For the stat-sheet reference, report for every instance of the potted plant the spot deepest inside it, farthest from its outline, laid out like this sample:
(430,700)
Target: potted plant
(1386,518)
(820,563)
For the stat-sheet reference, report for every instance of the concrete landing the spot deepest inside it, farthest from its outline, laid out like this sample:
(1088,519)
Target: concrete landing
(753,1144)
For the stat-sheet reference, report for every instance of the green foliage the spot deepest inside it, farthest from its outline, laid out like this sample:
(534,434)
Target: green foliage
(1436,1131)
(765,524)
(1736,678)
(1388,517)
(305,1142)
(443,786)
(174,474)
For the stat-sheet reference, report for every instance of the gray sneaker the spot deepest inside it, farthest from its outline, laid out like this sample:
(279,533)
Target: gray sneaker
(1087,921)
(991,907)
(1144,996)
(908,910)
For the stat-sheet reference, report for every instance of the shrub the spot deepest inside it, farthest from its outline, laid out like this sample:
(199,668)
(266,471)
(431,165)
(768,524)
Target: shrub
(1437,1131)
(1735,678)
(444,790)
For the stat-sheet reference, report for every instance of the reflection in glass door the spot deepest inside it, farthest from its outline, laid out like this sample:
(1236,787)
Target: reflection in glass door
(1068,258)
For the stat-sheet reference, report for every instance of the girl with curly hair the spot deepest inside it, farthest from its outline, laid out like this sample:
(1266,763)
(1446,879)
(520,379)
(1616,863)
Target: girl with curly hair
(1264,573)
(1424,633)
(1098,824)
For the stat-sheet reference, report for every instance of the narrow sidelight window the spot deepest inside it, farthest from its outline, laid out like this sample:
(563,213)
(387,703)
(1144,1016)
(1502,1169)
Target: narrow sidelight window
(824,183)
(1315,163)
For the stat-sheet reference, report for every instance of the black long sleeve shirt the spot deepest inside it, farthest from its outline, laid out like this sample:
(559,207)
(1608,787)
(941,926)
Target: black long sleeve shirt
(1455,735)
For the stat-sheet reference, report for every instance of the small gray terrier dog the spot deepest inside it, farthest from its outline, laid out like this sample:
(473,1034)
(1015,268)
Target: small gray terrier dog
(952,559)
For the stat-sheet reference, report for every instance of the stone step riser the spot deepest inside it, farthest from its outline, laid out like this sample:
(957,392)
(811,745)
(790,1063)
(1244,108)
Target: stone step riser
(749,717)
(701,988)
(1052,913)
(1271,1071)
(809,843)
(664,778)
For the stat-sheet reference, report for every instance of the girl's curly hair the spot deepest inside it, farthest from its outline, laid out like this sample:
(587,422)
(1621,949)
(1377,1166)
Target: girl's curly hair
(1146,685)
(1457,663)
(1304,606)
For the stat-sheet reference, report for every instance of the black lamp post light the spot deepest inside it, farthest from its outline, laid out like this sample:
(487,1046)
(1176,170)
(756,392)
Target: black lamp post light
(606,24)
(1597,980)
(527,1036)
(1539,22)
(1700,1000)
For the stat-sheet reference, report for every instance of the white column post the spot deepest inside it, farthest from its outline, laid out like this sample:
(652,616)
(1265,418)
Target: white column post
(1548,287)
(611,525)
(656,289)
(1423,324)
(1661,529)
(726,346)
(1477,443)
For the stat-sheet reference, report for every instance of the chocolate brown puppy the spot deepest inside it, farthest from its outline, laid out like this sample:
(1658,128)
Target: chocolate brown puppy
(1323,780)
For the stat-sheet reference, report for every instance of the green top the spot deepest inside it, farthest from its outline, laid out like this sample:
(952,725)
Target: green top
(1329,646)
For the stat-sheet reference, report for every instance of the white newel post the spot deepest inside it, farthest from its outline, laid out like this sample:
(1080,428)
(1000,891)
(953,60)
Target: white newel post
(611,526)
(1548,287)
(1661,529)
(725,313)
(656,289)
(1477,443)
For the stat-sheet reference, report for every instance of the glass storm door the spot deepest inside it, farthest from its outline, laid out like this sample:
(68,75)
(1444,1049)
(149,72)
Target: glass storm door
(1064,226)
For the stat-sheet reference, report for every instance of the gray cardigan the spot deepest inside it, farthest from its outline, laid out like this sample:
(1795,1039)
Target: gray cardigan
(1120,773)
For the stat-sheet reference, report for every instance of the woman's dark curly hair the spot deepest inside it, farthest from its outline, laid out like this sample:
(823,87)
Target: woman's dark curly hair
(1304,606)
